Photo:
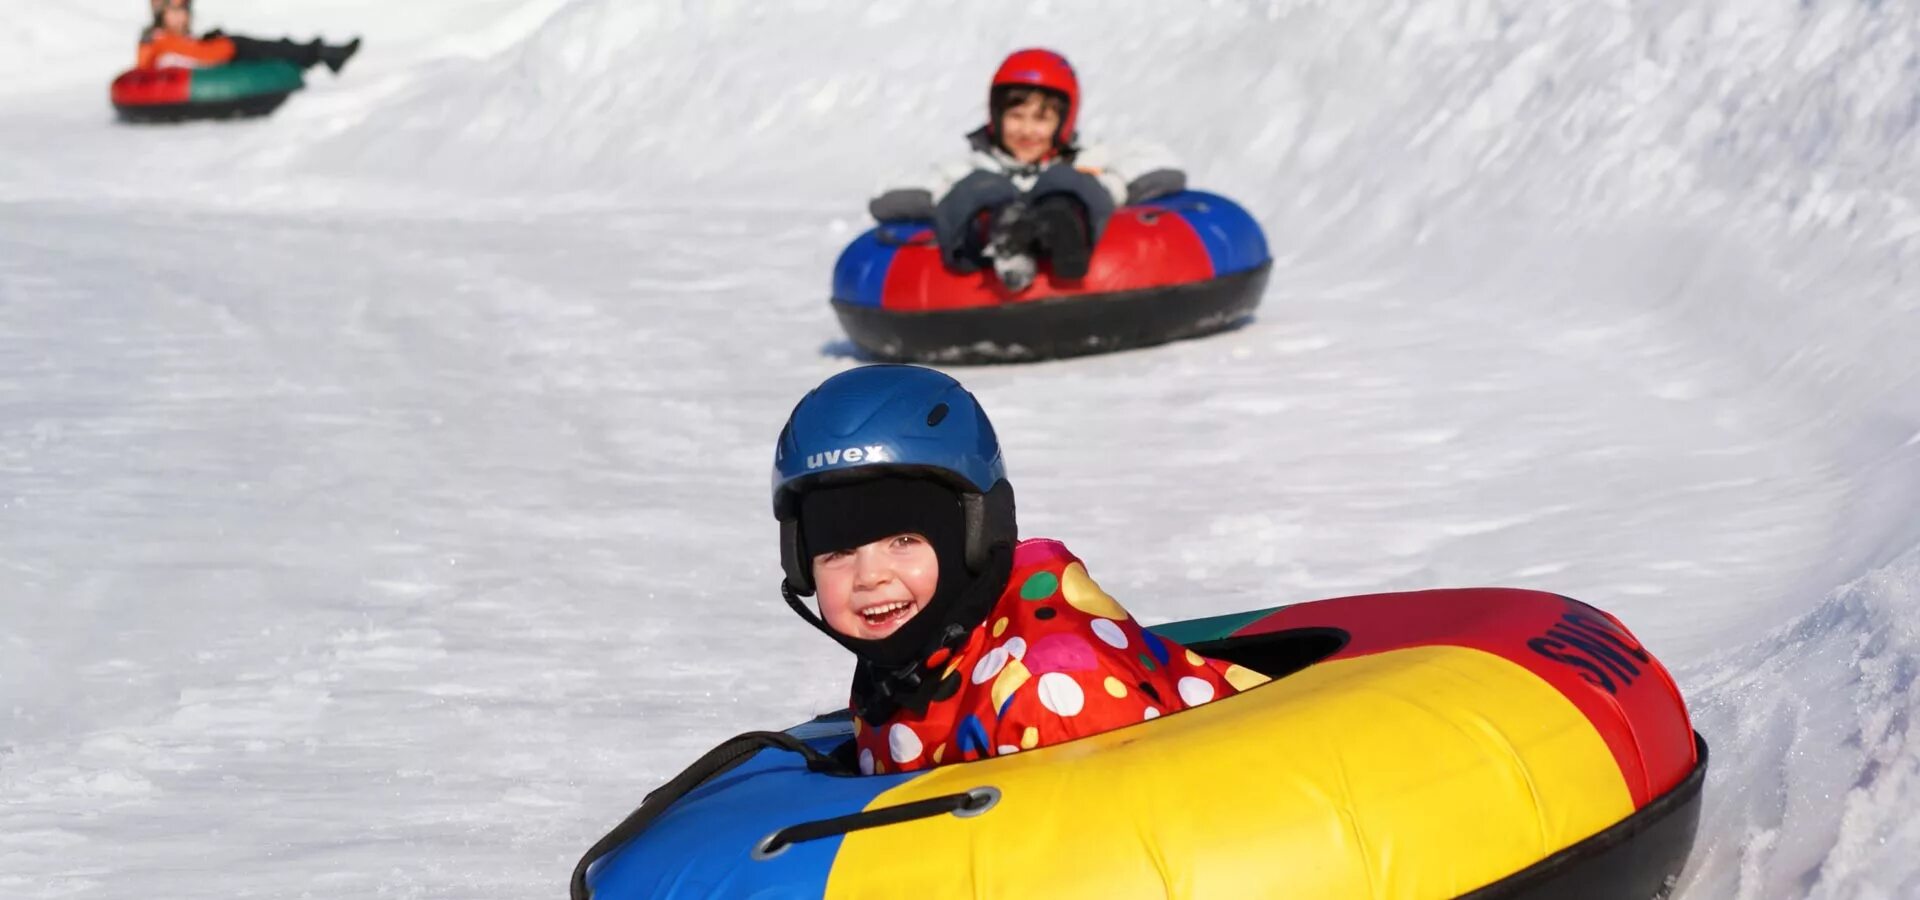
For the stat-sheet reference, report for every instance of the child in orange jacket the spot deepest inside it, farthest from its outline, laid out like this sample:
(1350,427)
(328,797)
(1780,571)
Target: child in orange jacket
(170,43)
(895,510)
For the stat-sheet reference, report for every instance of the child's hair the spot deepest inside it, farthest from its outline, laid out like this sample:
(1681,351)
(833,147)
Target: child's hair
(1009,96)
(160,8)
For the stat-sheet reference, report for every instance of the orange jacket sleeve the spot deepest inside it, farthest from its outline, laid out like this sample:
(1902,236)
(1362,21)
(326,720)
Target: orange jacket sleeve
(159,46)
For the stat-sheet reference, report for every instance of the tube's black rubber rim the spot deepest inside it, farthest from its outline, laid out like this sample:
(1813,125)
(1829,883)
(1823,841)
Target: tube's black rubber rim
(1059,327)
(1639,857)
(243,107)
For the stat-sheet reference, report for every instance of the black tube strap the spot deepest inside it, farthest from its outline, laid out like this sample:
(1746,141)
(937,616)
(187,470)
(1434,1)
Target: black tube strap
(967,803)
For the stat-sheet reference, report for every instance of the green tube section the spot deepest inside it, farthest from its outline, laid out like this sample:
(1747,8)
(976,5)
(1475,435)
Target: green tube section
(1212,628)
(241,80)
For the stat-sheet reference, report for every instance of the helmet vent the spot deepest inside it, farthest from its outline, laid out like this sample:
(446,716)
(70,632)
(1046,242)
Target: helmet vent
(936,415)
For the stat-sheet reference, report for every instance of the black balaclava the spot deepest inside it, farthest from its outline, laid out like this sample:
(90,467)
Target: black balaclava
(892,670)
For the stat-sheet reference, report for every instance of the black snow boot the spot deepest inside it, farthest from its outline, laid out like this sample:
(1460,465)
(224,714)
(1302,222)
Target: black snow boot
(336,55)
(1060,232)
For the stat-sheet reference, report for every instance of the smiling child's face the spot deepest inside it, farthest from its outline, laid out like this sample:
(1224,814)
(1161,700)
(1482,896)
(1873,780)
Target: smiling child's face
(869,591)
(1027,130)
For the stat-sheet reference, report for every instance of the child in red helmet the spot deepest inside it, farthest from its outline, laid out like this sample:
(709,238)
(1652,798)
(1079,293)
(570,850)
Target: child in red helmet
(169,42)
(896,513)
(1029,189)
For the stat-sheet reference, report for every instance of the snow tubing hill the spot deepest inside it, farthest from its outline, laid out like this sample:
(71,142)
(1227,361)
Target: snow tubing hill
(252,88)
(1183,265)
(1477,743)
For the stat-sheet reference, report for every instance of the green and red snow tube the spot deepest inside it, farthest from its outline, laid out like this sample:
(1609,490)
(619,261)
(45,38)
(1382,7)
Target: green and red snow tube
(252,88)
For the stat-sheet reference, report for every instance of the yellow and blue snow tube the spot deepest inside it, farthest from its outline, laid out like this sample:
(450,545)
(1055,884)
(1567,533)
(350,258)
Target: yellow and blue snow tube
(1482,743)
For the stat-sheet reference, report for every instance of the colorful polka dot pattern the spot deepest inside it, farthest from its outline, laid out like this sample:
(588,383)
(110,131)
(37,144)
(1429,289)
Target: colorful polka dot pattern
(1039,586)
(1086,596)
(1012,678)
(902,744)
(1062,653)
(1057,658)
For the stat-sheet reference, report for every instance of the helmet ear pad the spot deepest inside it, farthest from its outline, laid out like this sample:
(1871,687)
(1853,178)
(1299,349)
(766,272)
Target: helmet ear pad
(794,558)
(988,520)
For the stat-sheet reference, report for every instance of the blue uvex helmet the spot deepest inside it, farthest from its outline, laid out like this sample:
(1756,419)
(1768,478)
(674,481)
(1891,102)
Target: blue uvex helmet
(891,420)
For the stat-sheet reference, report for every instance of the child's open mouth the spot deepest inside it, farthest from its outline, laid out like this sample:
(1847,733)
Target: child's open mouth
(887,614)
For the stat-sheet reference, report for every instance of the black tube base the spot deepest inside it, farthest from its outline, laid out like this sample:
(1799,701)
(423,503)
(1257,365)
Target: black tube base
(1056,328)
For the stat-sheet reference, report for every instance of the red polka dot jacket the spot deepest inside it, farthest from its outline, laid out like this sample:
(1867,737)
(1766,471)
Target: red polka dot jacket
(1056,659)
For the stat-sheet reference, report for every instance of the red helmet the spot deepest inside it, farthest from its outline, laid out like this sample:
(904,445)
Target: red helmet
(1039,68)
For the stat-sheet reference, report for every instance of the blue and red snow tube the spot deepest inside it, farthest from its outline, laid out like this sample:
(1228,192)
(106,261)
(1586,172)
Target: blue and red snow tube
(1179,266)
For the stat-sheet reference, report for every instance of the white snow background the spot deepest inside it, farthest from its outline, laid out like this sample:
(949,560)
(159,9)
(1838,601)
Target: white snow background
(383,485)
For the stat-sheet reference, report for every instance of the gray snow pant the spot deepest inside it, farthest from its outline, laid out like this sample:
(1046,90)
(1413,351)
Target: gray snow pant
(956,217)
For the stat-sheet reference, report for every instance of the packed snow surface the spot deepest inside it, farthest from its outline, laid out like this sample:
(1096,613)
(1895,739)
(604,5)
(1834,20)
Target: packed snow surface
(383,499)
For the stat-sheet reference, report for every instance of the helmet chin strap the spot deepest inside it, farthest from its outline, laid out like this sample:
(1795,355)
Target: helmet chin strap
(865,648)
(900,679)
(880,692)
(880,689)
(800,606)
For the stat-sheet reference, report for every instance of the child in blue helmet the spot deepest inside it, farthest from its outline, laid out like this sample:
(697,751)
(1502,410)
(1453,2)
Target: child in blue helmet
(895,512)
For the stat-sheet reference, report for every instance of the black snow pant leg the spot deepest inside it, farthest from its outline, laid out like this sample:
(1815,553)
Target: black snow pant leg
(306,56)
(955,217)
(1093,196)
